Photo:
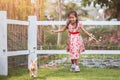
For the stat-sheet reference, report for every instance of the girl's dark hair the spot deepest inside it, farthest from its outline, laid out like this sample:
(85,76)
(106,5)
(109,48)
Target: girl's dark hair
(75,14)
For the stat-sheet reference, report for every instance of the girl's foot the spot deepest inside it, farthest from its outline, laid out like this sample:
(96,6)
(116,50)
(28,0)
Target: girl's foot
(77,69)
(72,67)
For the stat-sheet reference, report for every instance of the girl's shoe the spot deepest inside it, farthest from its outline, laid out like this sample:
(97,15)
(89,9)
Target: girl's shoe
(77,69)
(72,67)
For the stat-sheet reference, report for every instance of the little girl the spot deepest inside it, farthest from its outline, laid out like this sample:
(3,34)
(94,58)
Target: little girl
(74,43)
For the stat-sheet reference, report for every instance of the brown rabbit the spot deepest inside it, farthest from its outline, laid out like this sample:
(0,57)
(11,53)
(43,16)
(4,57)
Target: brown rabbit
(33,68)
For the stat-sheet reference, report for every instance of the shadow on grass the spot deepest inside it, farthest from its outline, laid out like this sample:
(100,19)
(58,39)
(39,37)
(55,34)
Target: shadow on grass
(59,73)
(17,72)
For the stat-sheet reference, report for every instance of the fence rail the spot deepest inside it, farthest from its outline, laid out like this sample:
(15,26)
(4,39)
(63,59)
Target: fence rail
(86,52)
(18,22)
(83,22)
(10,21)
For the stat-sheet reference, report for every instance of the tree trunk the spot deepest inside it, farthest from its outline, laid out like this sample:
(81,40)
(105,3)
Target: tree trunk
(60,15)
(118,32)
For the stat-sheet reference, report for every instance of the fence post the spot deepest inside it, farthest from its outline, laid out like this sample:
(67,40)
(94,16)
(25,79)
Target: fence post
(32,39)
(3,44)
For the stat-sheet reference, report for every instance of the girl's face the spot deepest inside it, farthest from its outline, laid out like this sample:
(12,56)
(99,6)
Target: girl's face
(72,18)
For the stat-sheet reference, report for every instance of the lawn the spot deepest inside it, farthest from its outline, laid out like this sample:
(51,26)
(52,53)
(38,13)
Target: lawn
(63,73)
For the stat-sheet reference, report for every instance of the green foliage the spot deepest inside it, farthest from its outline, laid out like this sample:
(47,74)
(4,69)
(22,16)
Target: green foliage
(78,9)
(103,33)
(51,39)
(107,37)
(65,9)
(109,4)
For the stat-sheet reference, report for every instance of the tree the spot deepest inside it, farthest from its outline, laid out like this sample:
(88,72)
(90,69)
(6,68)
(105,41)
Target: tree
(60,18)
(73,6)
(112,7)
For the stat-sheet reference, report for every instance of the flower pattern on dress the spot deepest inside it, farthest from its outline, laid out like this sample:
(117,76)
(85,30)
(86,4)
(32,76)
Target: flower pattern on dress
(75,43)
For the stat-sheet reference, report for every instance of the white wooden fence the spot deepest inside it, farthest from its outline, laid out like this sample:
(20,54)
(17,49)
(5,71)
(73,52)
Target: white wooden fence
(32,51)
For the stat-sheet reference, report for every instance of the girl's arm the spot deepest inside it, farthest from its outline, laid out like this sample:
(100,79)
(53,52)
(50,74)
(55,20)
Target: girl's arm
(86,32)
(61,30)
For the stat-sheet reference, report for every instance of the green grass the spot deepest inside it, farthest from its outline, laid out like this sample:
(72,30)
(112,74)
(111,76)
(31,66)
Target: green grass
(63,73)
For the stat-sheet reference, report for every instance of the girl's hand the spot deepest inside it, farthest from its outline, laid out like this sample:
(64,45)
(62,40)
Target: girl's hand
(52,31)
(92,37)
(95,40)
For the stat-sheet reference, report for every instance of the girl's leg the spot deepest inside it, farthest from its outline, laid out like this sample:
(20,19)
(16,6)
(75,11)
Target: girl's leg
(72,61)
(72,65)
(77,69)
(76,61)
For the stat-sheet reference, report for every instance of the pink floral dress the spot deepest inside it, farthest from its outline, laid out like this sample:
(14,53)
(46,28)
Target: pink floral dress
(75,43)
